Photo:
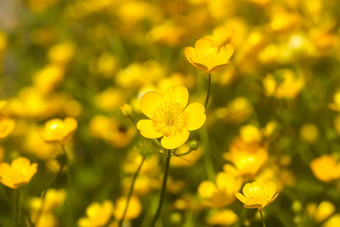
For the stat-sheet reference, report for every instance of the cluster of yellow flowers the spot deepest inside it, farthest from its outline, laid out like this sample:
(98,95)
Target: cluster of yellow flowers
(169,113)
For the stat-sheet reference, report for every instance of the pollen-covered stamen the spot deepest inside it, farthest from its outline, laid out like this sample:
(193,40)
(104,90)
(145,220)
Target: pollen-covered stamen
(169,118)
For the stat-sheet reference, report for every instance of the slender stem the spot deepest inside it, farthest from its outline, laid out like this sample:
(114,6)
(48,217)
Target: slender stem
(16,206)
(131,191)
(263,222)
(165,178)
(208,92)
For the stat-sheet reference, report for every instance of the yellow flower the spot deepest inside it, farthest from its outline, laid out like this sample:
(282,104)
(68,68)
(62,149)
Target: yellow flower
(326,168)
(320,212)
(223,217)
(18,173)
(207,56)
(58,131)
(53,199)
(333,221)
(336,104)
(221,193)
(170,117)
(7,126)
(97,214)
(133,211)
(257,196)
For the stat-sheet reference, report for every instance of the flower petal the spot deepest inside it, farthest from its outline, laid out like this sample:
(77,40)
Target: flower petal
(147,130)
(241,197)
(204,45)
(206,189)
(197,117)
(175,141)
(149,101)
(269,189)
(177,95)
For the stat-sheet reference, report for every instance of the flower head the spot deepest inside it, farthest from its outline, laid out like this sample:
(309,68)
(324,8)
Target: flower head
(58,131)
(7,125)
(18,173)
(97,214)
(207,56)
(170,117)
(256,195)
(326,168)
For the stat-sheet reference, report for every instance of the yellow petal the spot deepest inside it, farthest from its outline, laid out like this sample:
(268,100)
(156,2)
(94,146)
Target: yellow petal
(149,102)
(269,189)
(178,95)
(190,54)
(206,189)
(241,197)
(147,130)
(197,117)
(204,45)
(175,141)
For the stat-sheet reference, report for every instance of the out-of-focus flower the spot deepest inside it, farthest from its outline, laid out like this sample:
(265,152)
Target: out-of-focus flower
(238,110)
(309,133)
(126,110)
(106,65)
(34,144)
(18,173)
(38,6)
(170,117)
(320,212)
(257,196)
(58,131)
(283,20)
(46,220)
(336,104)
(207,56)
(3,41)
(61,53)
(53,199)
(333,221)
(111,130)
(289,88)
(225,217)
(133,211)
(130,77)
(7,126)
(47,78)
(326,168)
(187,160)
(222,193)
(97,214)
(110,99)
(167,33)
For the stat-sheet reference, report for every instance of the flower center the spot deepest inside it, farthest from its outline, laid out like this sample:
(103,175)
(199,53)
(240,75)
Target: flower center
(169,119)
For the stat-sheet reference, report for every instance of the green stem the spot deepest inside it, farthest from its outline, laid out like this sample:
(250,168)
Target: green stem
(131,191)
(208,93)
(16,206)
(263,222)
(165,178)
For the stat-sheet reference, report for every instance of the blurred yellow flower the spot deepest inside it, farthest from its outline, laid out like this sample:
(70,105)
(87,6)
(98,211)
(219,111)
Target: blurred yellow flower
(257,196)
(224,217)
(7,126)
(333,221)
(289,87)
(46,79)
(187,160)
(97,214)
(58,131)
(111,130)
(170,117)
(18,173)
(207,56)
(133,211)
(326,168)
(53,199)
(320,212)
(336,104)
(110,99)
(61,53)
(309,133)
(223,192)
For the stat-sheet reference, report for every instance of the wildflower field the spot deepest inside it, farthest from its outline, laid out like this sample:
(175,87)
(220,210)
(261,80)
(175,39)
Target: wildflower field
(178,113)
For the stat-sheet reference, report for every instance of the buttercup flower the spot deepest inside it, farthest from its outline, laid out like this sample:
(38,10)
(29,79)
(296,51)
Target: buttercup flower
(325,168)
(207,56)
(170,117)
(97,214)
(58,131)
(19,173)
(7,125)
(257,196)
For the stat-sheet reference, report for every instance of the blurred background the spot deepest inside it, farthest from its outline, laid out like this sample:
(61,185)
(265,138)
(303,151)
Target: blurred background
(273,113)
